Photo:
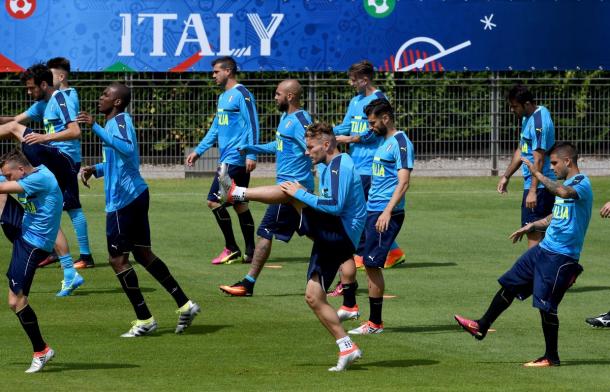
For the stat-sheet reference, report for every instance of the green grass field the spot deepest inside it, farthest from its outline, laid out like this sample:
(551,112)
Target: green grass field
(456,239)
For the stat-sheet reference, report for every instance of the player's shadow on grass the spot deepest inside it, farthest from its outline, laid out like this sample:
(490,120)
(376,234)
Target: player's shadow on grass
(55,366)
(580,362)
(192,330)
(425,328)
(426,265)
(396,363)
(586,289)
(290,259)
(114,290)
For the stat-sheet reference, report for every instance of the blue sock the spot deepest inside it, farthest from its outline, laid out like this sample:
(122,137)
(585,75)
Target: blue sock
(250,279)
(68,266)
(394,246)
(80,227)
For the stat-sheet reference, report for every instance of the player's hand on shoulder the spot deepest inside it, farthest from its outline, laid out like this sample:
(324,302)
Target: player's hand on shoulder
(343,139)
(84,117)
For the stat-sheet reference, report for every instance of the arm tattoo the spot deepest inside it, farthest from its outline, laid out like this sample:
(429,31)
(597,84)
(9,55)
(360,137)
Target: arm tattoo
(565,192)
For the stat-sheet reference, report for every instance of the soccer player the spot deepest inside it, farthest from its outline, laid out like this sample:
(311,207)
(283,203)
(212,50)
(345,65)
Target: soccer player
(281,220)
(52,149)
(334,220)
(60,68)
(392,166)
(38,191)
(548,269)
(127,200)
(363,142)
(235,124)
(537,137)
(603,320)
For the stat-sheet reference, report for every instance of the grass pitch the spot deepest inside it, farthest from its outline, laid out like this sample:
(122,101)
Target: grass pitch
(456,239)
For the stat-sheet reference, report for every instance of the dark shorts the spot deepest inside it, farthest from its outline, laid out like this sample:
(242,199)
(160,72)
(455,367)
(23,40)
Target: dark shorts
(331,245)
(128,227)
(238,174)
(23,265)
(366,185)
(61,165)
(544,206)
(281,221)
(377,245)
(544,274)
(11,218)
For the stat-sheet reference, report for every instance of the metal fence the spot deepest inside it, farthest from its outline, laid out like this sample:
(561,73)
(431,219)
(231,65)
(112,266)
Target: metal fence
(459,123)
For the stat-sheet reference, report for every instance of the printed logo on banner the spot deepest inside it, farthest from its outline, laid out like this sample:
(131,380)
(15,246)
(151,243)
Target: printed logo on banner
(20,9)
(379,8)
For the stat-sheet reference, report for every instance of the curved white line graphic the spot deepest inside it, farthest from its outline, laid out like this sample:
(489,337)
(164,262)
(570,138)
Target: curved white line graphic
(419,63)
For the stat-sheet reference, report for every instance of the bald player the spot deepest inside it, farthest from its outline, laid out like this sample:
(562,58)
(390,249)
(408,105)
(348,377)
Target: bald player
(280,220)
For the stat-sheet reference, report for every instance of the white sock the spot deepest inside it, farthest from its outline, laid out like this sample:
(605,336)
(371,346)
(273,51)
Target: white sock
(345,344)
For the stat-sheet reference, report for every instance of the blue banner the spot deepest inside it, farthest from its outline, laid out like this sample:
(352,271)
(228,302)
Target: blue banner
(307,35)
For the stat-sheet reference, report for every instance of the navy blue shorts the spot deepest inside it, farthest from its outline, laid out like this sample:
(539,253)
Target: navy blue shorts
(128,227)
(281,221)
(238,174)
(331,245)
(545,274)
(61,165)
(377,245)
(11,218)
(366,185)
(23,265)
(544,206)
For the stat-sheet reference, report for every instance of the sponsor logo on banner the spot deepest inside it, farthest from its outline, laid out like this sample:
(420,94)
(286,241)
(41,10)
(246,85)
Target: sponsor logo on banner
(20,9)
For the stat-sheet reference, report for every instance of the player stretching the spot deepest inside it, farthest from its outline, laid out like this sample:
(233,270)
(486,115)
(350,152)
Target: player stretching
(54,150)
(127,201)
(292,164)
(537,137)
(333,220)
(60,68)
(235,124)
(392,166)
(38,191)
(363,142)
(549,269)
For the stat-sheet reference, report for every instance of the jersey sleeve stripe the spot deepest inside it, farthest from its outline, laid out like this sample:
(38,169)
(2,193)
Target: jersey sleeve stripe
(538,126)
(302,119)
(122,126)
(404,154)
(250,107)
(335,172)
(61,102)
